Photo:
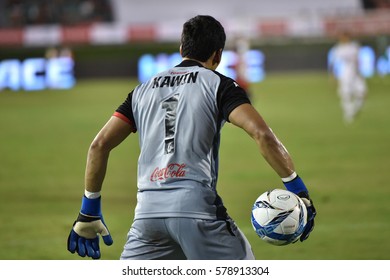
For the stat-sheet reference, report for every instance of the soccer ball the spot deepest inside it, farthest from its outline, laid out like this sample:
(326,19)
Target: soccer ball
(279,217)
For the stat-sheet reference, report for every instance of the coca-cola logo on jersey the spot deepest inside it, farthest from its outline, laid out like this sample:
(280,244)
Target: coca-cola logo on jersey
(173,170)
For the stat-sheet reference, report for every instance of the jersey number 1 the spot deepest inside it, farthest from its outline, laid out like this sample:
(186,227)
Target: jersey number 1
(170,106)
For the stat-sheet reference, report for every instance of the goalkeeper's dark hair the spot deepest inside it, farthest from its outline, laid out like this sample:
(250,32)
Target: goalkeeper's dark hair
(201,37)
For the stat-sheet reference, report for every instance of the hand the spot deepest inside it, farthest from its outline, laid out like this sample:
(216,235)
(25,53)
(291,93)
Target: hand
(311,213)
(297,186)
(83,237)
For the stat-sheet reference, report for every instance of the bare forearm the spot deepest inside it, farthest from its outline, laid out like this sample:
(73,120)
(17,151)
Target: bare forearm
(246,117)
(111,135)
(96,168)
(275,154)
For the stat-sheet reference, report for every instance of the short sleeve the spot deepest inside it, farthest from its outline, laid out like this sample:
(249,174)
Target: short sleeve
(125,112)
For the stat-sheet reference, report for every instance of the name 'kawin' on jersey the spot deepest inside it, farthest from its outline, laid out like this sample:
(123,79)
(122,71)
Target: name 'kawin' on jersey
(177,80)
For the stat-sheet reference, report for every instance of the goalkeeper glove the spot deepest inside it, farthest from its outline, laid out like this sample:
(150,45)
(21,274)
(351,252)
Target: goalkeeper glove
(311,213)
(83,237)
(296,185)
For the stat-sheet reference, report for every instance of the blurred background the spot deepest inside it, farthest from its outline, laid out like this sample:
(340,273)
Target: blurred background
(66,65)
(108,38)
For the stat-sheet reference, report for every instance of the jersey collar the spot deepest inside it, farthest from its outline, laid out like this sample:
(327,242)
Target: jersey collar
(189,63)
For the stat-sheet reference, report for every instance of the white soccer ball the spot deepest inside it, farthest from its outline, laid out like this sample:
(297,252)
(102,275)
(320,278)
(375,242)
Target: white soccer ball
(279,217)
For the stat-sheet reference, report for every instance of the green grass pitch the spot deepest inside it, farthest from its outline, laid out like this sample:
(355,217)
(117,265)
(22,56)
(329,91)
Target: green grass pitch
(45,136)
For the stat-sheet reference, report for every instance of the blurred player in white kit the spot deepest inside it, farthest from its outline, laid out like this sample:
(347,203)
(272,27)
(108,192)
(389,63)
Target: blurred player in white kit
(351,84)
(242,46)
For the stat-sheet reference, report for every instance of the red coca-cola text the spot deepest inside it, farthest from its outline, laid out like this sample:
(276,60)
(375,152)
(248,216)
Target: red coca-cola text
(173,170)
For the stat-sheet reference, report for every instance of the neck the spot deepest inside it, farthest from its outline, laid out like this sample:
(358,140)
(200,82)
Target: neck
(206,64)
(201,62)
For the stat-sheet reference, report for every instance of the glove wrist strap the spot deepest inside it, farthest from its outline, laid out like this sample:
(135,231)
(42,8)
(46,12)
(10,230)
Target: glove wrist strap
(91,207)
(295,185)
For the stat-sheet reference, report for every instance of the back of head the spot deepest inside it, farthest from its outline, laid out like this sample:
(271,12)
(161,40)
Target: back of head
(201,37)
(344,37)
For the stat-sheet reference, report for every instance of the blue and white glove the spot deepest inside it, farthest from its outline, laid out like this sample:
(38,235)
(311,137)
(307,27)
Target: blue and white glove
(295,184)
(83,237)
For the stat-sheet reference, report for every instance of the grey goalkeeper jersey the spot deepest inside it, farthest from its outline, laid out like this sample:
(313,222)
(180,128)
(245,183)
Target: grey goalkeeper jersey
(179,114)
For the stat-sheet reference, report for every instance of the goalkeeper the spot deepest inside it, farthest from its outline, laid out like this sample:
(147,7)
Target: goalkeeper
(178,115)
